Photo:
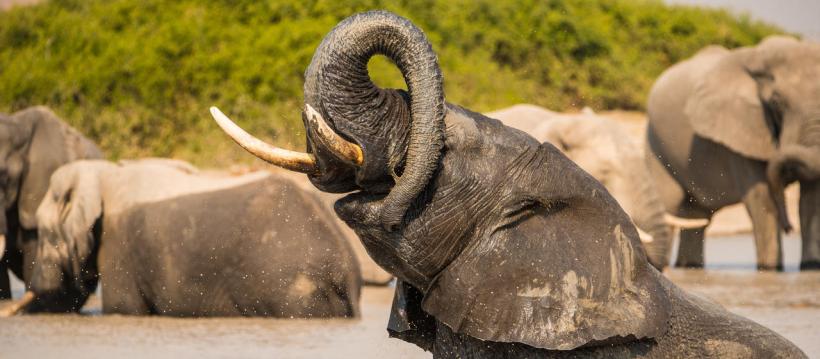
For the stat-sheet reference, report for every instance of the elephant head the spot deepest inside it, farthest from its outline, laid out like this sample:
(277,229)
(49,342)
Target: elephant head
(764,103)
(490,232)
(33,144)
(392,131)
(15,137)
(69,219)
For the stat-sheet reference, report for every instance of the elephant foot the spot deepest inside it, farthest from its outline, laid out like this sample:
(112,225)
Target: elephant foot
(810,265)
(770,267)
(691,265)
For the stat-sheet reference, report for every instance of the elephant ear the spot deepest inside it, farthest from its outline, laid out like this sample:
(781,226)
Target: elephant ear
(725,106)
(52,145)
(563,269)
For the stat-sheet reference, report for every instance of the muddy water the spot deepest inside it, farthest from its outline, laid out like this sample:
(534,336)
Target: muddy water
(787,302)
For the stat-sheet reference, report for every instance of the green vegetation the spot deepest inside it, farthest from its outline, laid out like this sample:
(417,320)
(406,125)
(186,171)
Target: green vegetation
(138,76)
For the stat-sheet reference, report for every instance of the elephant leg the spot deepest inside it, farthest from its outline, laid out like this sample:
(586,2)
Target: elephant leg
(5,283)
(690,248)
(810,225)
(763,212)
(29,255)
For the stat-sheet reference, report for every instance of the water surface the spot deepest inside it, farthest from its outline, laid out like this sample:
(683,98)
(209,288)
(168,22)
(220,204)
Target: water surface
(789,303)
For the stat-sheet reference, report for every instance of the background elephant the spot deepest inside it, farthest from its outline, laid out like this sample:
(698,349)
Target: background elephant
(738,125)
(604,148)
(503,246)
(33,143)
(372,274)
(166,240)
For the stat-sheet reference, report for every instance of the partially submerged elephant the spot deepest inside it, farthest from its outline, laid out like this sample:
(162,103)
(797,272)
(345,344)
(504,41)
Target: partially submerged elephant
(503,246)
(604,148)
(163,239)
(727,126)
(33,143)
(372,274)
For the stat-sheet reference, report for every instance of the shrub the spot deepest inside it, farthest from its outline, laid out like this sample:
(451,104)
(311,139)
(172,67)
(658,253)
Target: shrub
(139,76)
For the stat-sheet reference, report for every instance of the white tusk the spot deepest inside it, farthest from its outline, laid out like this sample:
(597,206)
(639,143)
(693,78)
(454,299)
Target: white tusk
(290,160)
(2,247)
(341,147)
(645,237)
(18,306)
(685,223)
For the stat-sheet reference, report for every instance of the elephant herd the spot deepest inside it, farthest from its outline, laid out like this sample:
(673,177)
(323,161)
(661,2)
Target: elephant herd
(520,233)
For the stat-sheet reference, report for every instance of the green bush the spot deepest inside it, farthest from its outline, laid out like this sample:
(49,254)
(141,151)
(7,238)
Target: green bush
(139,76)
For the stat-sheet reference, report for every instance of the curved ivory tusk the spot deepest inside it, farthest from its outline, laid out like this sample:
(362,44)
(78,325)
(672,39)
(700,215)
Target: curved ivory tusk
(342,148)
(290,160)
(685,223)
(2,247)
(18,306)
(645,237)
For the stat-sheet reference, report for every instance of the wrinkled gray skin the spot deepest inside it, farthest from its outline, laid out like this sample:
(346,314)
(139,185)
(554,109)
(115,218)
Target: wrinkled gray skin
(738,126)
(605,150)
(33,143)
(166,240)
(503,246)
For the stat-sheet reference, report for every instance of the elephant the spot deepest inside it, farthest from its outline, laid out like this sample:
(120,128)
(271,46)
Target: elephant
(372,274)
(502,246)
(163,239)
(605,149)
(33,143)
(729,126)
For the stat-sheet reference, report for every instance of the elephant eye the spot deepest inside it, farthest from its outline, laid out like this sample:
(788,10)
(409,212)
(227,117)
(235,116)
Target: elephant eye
(66,205)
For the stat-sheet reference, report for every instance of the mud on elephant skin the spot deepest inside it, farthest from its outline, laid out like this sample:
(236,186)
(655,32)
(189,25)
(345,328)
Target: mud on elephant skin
(604,148)
(710,148)
(165,239)
(33,143)
(502,245)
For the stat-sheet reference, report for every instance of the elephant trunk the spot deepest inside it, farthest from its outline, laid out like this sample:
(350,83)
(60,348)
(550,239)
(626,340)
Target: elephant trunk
(791,163)
(650,216)
(338,86)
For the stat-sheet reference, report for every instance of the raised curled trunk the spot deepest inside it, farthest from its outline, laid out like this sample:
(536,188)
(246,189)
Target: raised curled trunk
(401,133)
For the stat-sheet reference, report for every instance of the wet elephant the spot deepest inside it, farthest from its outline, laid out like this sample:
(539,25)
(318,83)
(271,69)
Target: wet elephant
(162,239)
(729,126)
(33,143)
(503,246)
(605,149)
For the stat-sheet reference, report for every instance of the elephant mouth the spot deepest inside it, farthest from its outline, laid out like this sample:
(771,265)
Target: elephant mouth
(401,133)
(795,163)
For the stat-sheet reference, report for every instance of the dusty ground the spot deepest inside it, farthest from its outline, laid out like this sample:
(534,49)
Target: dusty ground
(789,303)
